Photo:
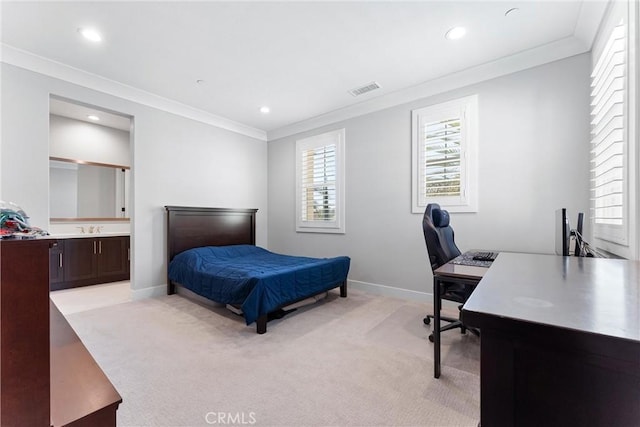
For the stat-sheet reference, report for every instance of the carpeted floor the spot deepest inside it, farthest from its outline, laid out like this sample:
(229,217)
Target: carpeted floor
(360,361)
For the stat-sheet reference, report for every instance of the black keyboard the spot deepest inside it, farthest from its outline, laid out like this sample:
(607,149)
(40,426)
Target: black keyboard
(485,256)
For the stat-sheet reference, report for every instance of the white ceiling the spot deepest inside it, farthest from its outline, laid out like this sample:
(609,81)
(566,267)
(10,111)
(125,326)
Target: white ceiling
(298,58)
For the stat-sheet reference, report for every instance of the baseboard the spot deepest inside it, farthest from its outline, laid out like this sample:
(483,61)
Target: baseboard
(153,291)
(389,291)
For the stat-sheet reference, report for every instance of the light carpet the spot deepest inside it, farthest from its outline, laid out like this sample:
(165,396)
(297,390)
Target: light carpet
(360,361)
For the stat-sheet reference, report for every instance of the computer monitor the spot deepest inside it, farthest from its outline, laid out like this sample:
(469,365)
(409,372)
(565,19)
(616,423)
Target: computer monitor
(563,232)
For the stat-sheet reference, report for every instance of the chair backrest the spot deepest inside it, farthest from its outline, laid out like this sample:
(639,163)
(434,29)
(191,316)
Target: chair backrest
(438,235)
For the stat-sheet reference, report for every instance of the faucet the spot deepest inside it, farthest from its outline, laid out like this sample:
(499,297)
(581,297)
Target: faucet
(98,229)
(81,230)
(90,229)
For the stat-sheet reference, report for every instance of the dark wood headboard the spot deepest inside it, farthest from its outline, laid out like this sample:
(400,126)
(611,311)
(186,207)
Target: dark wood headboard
(192,227)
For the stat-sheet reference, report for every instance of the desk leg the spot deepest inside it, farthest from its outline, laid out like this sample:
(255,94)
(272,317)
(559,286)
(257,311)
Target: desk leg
(436,327)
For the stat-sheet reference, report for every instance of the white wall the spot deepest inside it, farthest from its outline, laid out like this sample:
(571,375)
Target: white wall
(78,140)
(533,159)
(175,161)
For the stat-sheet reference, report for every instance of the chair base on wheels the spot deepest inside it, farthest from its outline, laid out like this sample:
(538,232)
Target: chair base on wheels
(453,324)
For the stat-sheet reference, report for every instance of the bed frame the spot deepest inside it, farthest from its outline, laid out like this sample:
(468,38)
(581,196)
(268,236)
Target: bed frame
(192,227)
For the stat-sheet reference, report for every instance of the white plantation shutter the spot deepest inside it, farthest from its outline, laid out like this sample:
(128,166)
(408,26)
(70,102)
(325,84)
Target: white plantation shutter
(608,138)
(444,156)
(318,187)
(320,183)
(441,158)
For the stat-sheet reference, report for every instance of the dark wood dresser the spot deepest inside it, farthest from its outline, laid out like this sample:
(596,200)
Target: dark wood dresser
(81,394)
(24,333)
(47,376)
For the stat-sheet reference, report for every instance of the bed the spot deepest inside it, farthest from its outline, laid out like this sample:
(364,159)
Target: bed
(212,252)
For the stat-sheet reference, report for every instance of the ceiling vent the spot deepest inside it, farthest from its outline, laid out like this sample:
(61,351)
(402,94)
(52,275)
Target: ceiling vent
(364,89)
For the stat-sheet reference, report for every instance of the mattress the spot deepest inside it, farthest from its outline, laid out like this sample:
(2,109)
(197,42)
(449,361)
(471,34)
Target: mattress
(258,280)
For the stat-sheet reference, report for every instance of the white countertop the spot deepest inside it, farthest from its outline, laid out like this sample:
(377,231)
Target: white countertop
(83,235)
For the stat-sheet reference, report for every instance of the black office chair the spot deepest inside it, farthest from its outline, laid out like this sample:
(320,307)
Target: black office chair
(438,235)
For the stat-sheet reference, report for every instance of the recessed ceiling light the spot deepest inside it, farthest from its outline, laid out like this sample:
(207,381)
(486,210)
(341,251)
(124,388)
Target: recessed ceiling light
(456,33)
(90,34)
(265,110)
(93,117)
(200,81)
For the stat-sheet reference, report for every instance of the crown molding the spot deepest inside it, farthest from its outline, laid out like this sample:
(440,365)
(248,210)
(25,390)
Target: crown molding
(585,31)
(591,14)
(29,61)
(587,25)
(551,52)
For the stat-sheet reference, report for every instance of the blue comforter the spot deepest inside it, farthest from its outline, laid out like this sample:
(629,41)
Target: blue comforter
(258,280)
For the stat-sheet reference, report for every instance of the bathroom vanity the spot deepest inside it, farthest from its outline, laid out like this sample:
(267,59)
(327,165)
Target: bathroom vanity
(89,260)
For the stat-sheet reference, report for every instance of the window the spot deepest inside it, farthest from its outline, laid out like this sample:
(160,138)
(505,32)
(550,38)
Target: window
(444,140)
(320,183)
(615,132)
(609,140)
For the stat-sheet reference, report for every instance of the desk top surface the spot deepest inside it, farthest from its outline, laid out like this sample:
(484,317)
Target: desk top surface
(593,295)
(461,271)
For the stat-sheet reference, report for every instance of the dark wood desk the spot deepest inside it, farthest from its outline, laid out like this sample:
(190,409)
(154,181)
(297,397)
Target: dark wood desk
(560,341)
(450,272)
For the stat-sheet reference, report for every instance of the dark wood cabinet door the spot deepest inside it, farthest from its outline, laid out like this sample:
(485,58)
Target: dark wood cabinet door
(89,261)
(56,263)
(113,260)
(80,260)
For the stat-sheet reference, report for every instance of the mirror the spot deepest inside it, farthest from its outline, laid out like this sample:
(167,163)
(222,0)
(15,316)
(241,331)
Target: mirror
(81,190)
(89,162)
